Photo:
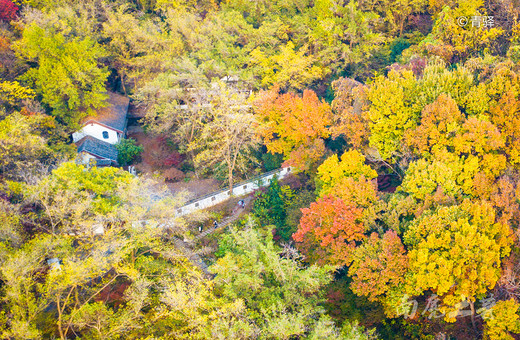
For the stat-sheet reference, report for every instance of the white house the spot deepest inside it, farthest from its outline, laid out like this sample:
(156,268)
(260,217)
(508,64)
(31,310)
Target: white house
(97,138)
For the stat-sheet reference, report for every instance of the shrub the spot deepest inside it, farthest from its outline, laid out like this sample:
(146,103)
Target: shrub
(127,151)
(8,10)
(173,159)
(173,174)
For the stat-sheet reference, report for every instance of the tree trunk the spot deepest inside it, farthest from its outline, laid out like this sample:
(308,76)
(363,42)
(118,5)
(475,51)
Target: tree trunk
(230,178)
(63,333)
(472,305)
(191,154)
(232,159)
(60,326)
(123,81)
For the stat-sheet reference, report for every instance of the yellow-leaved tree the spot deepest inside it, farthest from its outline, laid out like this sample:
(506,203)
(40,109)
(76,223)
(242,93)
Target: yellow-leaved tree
(349,179)
(391,112)
(502,320)
(456,252)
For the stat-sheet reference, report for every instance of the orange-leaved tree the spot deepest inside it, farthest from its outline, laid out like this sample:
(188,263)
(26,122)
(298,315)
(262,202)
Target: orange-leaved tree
(348,105)
(378,268)
(505,115)
(328,231)
(294,126)
(440,121)
(460,155)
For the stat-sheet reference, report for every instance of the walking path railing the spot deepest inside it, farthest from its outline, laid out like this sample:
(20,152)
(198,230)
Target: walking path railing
(240,189)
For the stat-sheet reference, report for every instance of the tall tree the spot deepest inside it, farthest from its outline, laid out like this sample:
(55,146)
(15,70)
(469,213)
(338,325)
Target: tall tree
(505,116)
(22,148)
(352,164)
(282,296)
(341,35)
(348,105)
(291,69)
(67,74)
(379,268)
(455,40)
(294,126)
(391,112)
(72,199)
(329,230)
(440,121)
(8,10)
(502,321)
(129,40)
(162,98)
(230,137)
(64,281)
(398,12)
(349,179)
(457,252)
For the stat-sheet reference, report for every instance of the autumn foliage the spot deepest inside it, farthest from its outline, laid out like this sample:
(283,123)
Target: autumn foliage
(443,241)
(503,320)
(8,10)
(439,122)
(349,179)
(505,115)
(329,230)
(402,128)
(294,126)
(379,265)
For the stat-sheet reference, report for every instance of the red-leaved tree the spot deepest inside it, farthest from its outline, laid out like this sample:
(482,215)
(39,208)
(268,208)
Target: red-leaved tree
(8,10)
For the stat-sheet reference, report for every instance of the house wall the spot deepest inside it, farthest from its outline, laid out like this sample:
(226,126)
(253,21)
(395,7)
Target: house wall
(238,190)
(85,157)
(96,131)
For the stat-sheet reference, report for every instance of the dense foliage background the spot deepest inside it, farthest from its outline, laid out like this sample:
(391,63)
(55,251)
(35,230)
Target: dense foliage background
(401,119)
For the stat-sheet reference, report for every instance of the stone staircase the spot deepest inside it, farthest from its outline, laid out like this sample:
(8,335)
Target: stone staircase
(193,256)
(227,221)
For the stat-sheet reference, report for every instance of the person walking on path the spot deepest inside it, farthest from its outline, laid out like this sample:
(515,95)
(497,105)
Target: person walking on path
(215,224)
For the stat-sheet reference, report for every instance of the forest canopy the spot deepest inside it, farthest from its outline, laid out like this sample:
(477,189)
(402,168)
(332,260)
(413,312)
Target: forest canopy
(398,120)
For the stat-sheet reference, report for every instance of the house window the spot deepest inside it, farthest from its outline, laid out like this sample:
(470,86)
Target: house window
(105,134)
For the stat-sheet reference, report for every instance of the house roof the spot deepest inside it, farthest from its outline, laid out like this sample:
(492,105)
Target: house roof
(97,148)
(114,115)
(104,162)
